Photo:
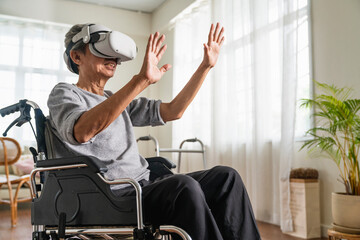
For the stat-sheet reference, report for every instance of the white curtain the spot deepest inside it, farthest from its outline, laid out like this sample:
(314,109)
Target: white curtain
(31,63)
(247,111)
(191,29)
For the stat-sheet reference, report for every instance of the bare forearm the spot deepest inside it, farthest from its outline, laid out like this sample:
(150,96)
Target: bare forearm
(175,109)
(100,117)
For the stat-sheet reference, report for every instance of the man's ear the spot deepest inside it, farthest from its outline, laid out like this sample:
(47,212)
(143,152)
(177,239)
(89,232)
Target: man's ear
(76,56)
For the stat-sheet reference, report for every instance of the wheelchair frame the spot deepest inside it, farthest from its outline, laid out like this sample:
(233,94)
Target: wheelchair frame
(42,232)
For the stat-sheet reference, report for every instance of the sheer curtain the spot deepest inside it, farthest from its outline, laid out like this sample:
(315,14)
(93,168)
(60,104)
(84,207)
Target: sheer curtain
(191,29)
(247,111)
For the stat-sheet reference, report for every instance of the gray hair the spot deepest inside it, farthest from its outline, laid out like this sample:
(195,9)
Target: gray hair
(70,34)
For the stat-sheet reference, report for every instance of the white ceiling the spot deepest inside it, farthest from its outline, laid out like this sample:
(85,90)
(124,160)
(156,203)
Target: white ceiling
(146,6)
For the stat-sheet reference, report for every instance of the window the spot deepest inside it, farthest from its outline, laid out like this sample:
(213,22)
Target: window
(31,63)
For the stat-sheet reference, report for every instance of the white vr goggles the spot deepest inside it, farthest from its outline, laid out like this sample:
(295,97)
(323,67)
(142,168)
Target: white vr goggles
(104,43)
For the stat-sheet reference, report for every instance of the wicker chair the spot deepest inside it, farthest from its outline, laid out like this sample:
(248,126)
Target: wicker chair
(10,153)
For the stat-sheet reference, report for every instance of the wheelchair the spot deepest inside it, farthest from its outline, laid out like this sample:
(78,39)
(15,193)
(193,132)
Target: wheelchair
(73,200)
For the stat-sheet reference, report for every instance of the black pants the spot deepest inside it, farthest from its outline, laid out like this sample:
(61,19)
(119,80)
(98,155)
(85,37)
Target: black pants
(209,205)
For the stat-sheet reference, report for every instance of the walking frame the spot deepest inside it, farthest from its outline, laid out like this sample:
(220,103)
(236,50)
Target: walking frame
(180,150)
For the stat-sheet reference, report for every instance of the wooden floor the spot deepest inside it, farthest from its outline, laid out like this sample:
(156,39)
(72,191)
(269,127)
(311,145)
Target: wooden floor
(23,229)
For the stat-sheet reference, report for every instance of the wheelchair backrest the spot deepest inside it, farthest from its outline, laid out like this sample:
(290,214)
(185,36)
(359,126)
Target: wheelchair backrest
(52,140)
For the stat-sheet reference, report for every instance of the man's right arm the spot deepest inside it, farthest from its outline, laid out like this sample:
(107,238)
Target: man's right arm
(100,117)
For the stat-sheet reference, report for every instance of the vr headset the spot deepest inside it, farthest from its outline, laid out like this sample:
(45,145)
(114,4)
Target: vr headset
(104,43)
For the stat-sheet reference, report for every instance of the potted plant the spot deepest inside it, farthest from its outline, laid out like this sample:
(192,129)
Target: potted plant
(337,135)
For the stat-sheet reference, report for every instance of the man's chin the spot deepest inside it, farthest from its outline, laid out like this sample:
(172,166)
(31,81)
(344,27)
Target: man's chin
(109,74)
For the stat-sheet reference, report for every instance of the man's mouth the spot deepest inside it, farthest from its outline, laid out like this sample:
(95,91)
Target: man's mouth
(111,64)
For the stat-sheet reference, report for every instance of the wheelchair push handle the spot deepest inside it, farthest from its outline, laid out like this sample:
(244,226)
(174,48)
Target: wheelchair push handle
(13,108)
(18,107)
(24,106)
(24,117)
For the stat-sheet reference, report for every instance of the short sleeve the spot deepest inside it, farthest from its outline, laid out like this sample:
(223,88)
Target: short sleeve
(145,112)
(65,108)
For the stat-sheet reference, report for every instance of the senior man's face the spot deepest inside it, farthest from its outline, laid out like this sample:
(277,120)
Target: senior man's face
(96,66)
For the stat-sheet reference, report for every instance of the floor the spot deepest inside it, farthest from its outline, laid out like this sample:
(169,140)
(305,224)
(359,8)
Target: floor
(24,228)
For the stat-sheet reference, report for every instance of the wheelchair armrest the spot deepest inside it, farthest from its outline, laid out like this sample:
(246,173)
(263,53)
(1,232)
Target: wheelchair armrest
(169,164)
(94,164)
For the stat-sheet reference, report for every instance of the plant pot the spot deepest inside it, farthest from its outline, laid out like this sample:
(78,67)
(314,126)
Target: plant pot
(345,212)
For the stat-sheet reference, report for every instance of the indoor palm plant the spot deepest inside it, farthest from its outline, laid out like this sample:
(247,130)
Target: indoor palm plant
(337,135)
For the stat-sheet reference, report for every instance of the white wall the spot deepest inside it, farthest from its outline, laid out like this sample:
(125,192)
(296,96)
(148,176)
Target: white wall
(70,12)
(336,39)
(336,60)
(162,16)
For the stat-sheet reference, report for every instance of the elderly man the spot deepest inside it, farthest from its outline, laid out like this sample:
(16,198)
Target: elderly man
(209,204)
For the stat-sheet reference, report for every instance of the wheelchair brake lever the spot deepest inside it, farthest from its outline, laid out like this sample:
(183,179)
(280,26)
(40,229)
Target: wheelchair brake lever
(10,126)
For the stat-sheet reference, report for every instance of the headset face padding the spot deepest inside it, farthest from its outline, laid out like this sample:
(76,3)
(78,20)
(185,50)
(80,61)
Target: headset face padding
(103,43)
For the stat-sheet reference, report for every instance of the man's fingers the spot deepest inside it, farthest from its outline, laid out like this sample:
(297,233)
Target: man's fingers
(165,68)
(216,33)
(211,32)
(222,41)
(206,47)
(154,42)
(149,44)
(220,35)
(159,43)
(161,52)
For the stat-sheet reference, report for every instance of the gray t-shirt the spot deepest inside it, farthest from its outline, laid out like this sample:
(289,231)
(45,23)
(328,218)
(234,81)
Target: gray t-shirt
(116,145)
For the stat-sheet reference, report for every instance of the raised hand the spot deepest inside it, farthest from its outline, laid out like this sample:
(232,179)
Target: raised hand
(213,46)
(153,54)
